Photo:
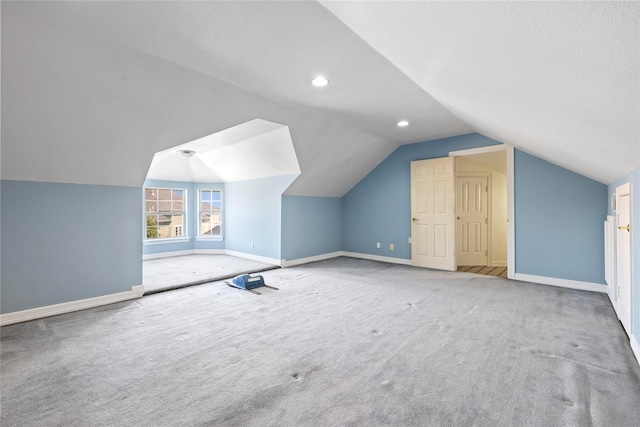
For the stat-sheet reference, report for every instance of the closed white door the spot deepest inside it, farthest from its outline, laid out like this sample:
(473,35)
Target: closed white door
(623,254)
(433,213)
(472,220)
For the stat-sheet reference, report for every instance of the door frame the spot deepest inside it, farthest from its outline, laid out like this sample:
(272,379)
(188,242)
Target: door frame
(511,227)
(625,188)
(487,175)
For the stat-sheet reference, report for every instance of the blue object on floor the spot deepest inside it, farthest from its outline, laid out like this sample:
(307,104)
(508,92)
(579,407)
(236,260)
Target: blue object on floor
(247,281)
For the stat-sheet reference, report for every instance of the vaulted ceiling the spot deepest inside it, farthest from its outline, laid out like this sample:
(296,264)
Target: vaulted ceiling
(92,90)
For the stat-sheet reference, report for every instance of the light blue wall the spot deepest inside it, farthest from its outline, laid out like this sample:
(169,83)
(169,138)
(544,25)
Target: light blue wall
(310,226)
(254,215)
(378,208)
(559,221)
(67,242)
(192,217)
(634,178)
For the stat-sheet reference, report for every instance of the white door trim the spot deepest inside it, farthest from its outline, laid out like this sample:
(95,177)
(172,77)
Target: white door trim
(623,190)
(511,229)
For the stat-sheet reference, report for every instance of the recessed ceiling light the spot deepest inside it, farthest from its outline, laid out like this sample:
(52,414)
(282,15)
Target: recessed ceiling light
(320,81)
(403,123)
(186,154)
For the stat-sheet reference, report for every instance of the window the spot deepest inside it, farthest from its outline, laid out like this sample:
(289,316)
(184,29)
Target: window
(165,211)
(210,213)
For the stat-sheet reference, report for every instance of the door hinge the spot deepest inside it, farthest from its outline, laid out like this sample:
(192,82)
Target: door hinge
(486,221)
(486,188)
(486,252)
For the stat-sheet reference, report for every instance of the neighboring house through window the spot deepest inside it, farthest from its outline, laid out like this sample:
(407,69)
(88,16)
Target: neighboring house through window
(210,204)
(165,212)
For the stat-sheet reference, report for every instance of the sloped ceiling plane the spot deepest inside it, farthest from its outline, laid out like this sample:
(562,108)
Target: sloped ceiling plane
(113,83)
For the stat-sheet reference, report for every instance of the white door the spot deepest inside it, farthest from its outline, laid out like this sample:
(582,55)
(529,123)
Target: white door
(472,220)
(433,213)
(623,254)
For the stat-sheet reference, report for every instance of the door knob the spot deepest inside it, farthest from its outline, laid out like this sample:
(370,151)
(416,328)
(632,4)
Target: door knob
(414,219)
(625,227)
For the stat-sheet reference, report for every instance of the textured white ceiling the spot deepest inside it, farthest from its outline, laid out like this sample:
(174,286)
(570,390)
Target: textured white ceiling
(560,80)
(91,90)
(80,108)
(274,49)
(252,150)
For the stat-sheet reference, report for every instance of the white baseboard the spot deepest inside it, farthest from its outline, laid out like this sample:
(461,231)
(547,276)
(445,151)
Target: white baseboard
(167,254)
(188,252)
(209,252)
(299,261)
(635,346)
(388,259)
(563,283)
(67,307)
(253,257)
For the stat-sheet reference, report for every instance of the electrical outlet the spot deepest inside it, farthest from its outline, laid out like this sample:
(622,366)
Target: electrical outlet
(409,239)
(391,247)
(252,243)
(378,245)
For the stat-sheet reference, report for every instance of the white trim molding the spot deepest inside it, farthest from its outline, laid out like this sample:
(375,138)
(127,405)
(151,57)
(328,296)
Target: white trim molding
(388,259)
(299,261)
(209,252)
(167,254)
(209,238)
(166,241)
(253,257)
(635,347)
(562,283)
(67,307)
(183,253)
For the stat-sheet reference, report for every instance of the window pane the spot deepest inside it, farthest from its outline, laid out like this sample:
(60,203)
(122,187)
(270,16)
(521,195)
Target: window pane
(176,220)
(151,194)
(151,206)
(169,201)
(152,232)
(164,194)
(205,224)
(210,204)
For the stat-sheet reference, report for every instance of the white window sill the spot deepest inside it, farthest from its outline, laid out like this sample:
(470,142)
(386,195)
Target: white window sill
(209,238)
(166,241)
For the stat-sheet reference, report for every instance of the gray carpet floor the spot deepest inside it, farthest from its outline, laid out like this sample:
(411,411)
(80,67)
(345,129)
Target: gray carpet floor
(344,342)
(164,274)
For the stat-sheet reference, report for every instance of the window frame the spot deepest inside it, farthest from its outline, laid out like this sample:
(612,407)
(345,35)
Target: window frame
(199,235)
(184,212)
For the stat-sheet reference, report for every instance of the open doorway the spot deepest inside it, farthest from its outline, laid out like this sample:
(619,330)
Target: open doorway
(434,216)
(482,211)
